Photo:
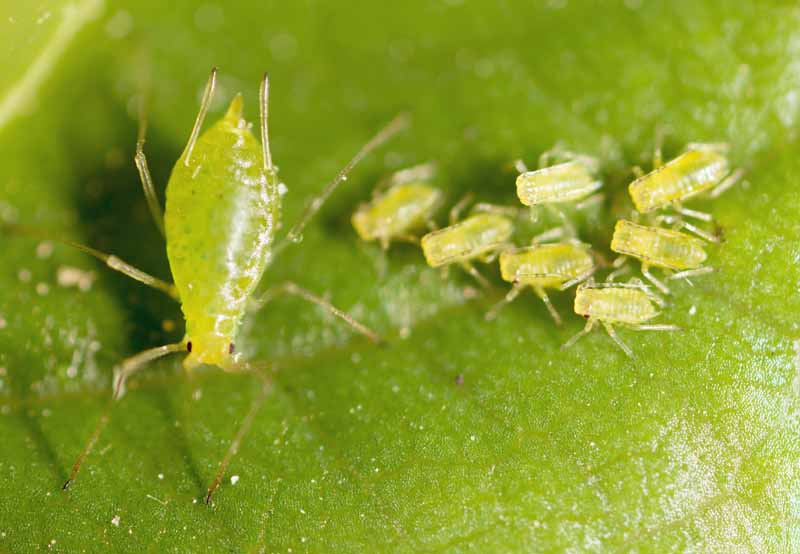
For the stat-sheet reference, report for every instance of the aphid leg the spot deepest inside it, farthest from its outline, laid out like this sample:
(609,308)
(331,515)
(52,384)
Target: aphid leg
(721,147)
(726,183)
(485,207)
(121,373)
(638,172)
(593,199)
(691,273)
(615,337)
(655,327)
(208,94)
(569,229)
(577,279)
(541,293)
(295,290)
(652,278)
(658,158)
(575,338)
(520,166)
(144,171)
(702,216)
(421,172)
(109,259)
(469,268)
(455,211)
(295,234)
(236,443)
(516,288)
(636,283)
(699,232)
(551,234)
(620,266)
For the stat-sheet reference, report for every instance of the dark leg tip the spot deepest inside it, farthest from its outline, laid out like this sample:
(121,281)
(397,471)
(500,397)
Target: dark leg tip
(208,498)
(66,484)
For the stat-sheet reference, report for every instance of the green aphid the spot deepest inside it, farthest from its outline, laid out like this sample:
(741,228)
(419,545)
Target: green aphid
(223,207)
(481,236)
(401,206)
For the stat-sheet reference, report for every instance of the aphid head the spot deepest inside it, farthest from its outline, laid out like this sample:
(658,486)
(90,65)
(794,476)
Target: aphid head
(211,349)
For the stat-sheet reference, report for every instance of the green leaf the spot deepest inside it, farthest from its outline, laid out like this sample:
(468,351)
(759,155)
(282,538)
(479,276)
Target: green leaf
(691,447)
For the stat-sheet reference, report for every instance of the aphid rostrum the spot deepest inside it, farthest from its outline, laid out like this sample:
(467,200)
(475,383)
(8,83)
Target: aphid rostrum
(548,266)
(630,304)
(659,247)
(220,223)
(701,168)
(401,206)
(481,236)
(573,180)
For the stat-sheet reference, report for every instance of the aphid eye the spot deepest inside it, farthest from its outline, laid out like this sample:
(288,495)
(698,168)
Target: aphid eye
(231,348)
(586,316)
(189,346)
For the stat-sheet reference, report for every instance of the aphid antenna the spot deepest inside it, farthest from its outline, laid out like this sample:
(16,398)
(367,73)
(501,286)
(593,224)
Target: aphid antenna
(399,123)
(455,211)
(520,166)
(208,95)
(263,104)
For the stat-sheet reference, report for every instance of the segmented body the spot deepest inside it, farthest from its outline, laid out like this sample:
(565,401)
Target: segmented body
(474,237)
(614,304)
(221,216)
(658,246)
(546,266)
(691,173)
(397,213)
(566,182)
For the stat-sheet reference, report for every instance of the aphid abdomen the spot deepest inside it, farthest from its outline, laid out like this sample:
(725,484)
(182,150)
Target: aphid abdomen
(468,239)
(546,266)
(403,209)
(614,304)
(564,182)
(221,215)
(691,173)
(658,246)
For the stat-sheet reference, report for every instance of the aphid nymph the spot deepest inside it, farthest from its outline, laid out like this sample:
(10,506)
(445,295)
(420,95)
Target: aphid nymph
(481,236)
(573,180)
(222,216)
(400,207)
(701,168)
(548,266)
(628,304)
(659,247)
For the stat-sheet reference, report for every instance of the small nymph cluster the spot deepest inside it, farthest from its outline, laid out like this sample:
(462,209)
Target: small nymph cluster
(403,207)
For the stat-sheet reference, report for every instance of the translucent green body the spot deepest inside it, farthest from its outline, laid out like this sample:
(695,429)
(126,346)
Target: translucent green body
(397,213)
(546,266)
(614,304)
(691,173)
(658,247)
(221,216)
(566,182)
(476,236)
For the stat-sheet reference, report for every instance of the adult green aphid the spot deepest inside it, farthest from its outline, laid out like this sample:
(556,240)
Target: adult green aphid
(549,266)
(480,236)
(401,205)
(701,168)
(222,216)
(659,247)
(628,304)
(573,180)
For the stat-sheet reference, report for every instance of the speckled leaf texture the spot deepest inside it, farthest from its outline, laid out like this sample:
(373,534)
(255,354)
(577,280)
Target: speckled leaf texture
(693,446)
